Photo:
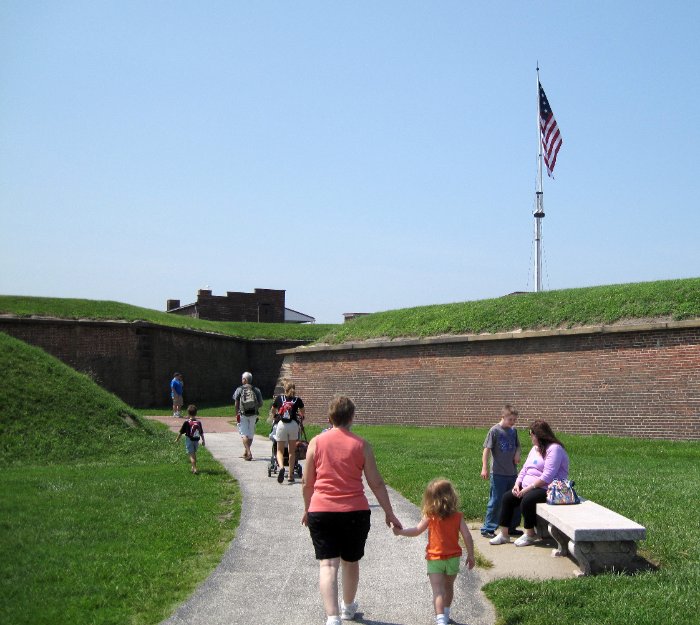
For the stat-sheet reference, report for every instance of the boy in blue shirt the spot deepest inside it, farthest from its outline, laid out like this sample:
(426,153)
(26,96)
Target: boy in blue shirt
(503,446)
(176,386)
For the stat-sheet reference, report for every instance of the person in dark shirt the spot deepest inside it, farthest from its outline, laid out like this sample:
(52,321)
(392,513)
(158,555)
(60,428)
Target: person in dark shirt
(289,409)
(194,432)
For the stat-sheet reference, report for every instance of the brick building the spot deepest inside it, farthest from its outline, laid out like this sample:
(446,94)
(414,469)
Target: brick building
(261,306)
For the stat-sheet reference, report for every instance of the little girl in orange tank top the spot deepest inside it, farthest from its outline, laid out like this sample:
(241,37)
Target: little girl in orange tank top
(444,523)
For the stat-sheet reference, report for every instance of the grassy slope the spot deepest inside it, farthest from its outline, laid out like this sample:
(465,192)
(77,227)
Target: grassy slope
(652,482)
(103,520)
(51,414)
(65,308)
(678,299)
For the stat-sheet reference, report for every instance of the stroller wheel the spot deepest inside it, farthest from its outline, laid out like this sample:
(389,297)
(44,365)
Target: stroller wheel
(269,472)
(298,470)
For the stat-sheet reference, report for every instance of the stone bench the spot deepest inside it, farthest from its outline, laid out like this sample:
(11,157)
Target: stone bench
(597,538)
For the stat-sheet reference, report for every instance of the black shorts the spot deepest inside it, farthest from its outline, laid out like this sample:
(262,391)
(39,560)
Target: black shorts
(339,534)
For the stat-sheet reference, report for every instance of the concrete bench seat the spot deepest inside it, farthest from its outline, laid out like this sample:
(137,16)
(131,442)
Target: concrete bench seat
(597,538)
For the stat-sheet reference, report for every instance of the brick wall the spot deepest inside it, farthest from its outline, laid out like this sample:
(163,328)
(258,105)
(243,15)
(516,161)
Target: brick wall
(135,361)
(642,381)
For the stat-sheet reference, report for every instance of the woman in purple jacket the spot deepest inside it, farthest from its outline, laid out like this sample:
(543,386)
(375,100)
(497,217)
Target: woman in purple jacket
(547,461)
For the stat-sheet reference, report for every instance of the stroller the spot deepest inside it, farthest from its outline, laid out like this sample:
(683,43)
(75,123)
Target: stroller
(302,443)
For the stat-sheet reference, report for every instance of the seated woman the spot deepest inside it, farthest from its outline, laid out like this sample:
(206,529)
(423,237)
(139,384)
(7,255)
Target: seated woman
(546,462)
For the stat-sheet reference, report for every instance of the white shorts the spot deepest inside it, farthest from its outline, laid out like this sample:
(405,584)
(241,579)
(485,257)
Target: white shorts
(247,426)
(287,432)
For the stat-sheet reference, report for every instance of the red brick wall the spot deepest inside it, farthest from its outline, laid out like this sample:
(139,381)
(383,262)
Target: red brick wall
(136,361)
(628,383)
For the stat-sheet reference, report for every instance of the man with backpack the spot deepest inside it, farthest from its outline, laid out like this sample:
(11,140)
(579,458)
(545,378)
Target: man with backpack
(248,400)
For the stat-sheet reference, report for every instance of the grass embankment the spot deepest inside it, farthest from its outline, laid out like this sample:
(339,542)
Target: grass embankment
(101,520)
(66,308)
(652,482)
(677,299)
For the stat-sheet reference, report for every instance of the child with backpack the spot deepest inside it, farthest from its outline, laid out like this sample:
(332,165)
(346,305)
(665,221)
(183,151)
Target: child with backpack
(444,522)
(194,432)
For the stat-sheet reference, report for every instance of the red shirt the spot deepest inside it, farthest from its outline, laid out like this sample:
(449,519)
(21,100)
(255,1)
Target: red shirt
(443,537)
(339,460)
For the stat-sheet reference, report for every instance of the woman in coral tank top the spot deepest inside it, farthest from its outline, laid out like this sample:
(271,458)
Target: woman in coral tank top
(336,510)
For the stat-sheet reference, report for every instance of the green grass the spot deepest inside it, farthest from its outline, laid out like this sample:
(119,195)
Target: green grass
(652,482)
(203,410)
(65,308)
(228,413)
(102,522)
(677,299)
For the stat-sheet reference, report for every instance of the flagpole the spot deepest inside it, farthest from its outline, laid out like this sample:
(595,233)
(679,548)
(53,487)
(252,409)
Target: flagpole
(539,201)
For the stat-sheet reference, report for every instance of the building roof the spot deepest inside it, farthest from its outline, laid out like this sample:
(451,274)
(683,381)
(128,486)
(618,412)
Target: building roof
(294,316)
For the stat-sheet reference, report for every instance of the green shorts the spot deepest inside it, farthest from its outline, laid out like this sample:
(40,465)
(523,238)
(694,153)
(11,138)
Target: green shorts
(446,567)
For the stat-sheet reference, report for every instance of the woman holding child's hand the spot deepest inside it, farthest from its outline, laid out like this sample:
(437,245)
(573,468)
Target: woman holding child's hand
(336,510)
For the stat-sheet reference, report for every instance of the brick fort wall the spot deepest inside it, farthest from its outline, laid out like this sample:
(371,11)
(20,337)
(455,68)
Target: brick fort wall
(641,381)
(136,361)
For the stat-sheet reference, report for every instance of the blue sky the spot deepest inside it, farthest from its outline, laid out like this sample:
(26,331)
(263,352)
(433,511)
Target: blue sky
(363,156)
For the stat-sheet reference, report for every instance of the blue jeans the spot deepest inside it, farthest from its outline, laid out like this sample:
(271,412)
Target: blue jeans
(500,485)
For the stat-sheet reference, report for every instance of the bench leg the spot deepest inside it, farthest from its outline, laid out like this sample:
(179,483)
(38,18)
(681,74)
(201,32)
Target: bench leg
(562,541)
(596,557)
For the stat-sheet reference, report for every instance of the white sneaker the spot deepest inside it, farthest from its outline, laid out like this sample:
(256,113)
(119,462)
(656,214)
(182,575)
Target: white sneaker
(525,541)
(499,539)
(347,612)
(333,620)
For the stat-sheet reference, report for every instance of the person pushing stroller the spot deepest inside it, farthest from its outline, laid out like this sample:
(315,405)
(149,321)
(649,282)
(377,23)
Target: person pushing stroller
(289,410)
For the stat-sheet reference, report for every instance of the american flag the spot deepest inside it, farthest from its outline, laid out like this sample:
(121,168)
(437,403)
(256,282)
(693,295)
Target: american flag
(549,133)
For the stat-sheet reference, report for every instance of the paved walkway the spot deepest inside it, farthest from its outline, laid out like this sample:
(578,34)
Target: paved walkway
(269,575)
